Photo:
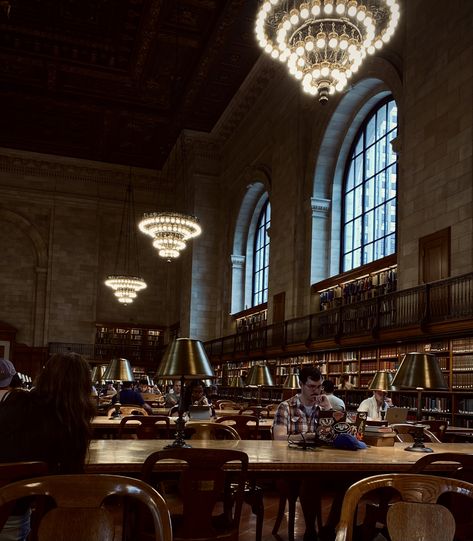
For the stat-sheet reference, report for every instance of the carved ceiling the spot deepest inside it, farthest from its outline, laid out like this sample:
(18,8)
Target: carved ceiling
(117,80)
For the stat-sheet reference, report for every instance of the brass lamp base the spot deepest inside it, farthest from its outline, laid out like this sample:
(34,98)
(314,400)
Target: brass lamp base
(179,442)
(418,445)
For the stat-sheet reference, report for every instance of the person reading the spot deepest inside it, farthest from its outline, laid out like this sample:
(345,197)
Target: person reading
(297,417)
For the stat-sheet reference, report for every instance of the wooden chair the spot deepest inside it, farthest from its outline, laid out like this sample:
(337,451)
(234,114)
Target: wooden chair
(458,505)
(227,405)
(404,433)
(242,424)
(210,431)
(257,411)
(417,516)
(17,471)
(128,409)
(438,427)
(79,513)
(202,485)
(145,427)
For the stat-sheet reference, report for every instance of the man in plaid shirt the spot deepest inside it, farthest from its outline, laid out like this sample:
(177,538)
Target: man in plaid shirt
(297,417)
(299,414)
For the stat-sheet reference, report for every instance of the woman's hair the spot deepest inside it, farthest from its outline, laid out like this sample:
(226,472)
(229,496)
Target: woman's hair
(66,384)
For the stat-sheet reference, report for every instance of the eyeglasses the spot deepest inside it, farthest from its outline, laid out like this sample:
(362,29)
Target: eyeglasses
(313,386)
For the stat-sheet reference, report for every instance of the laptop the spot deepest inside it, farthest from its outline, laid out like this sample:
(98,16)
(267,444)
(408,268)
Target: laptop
(200,413)
(396,415)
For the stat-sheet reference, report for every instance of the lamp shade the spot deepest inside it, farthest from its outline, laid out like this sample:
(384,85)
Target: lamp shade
(119,370)
(419,370)
(291,382)
(235,381)
(382,381)
(185,357)
(259,375)
(98,372)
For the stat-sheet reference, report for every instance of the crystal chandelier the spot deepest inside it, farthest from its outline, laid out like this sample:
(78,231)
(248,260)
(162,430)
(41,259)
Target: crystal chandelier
(170,231)
(324,42)
(126,281)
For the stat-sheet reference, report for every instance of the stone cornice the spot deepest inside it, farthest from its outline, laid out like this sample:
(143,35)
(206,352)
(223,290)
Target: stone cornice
(257,81)
(75,170)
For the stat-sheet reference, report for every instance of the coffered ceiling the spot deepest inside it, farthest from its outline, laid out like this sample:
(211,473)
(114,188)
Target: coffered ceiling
(117,80)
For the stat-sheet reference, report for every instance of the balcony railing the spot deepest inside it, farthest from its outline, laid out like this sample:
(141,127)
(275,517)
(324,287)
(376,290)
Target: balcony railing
(448,300)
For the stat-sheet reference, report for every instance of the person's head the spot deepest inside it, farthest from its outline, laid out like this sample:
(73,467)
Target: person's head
(197,390)
(143,385)
(177,387)
(127,384)
(65,383)
(7,371)
(380,396)
(328,386)
(310,380)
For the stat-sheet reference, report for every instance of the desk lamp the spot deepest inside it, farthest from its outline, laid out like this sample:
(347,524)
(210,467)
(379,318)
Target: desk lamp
(118,370)
(184,359)
(259,376)
(419,371)
(382,381)
(292,381)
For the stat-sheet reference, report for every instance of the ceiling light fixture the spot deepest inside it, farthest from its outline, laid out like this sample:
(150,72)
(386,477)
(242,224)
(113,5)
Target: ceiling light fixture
(324,42)
(170,231)
(126,281)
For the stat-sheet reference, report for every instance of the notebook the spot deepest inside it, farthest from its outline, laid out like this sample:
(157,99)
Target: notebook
(396,415)
(200,413)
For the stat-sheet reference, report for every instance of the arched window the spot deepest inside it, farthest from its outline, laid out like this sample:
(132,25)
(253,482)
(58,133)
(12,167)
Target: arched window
(261,256)
(370,185)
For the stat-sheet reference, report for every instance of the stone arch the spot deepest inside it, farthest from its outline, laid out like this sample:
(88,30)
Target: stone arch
(256,192)
(35,335)
(328,161)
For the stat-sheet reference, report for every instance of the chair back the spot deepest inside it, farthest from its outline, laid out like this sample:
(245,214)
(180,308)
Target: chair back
(210,431)
(227,405)
(79,513)
(146,427)
(202,485)
(417,490)
(16,471)
(437,427)
(257,411)
(247,426)
(404,433)
(128,409)
(462,464)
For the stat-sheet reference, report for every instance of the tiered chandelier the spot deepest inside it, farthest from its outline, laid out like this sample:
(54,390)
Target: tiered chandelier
(324,42)
(170,231)
(126,281)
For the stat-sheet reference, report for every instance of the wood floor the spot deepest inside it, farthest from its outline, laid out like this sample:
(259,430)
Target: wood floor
(271,502)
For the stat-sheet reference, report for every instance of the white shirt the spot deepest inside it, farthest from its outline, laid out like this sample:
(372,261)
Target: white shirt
(372,408)
(337,403)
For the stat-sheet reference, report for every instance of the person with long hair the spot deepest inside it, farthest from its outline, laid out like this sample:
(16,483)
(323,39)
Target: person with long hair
(49,424)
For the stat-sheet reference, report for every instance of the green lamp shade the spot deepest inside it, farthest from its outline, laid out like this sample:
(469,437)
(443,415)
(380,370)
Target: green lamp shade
(187,358)
(419,370)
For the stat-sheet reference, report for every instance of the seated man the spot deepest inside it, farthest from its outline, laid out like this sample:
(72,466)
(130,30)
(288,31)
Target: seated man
(376,405)
(337,403)
(172,398)
(298,416)
(128,396)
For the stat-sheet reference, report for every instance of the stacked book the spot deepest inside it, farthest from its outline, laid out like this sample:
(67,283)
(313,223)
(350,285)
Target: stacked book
(379,431)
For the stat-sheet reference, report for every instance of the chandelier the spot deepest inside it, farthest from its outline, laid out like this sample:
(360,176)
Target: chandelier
(324,42)
(170,231)
(126,281)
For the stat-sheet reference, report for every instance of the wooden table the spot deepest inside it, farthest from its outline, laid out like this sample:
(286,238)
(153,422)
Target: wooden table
(268,457)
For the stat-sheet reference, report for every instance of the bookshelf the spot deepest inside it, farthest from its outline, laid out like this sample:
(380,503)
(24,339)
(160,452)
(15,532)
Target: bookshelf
(455,356)
(137,343)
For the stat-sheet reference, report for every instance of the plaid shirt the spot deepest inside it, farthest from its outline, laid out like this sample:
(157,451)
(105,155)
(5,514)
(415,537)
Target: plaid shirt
(295,417)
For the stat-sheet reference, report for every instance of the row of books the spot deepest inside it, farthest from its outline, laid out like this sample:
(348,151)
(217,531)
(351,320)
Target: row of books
(462,380)
(440,404)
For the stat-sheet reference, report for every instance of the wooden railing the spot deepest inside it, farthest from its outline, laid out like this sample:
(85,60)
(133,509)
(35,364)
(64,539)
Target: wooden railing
(447,300)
